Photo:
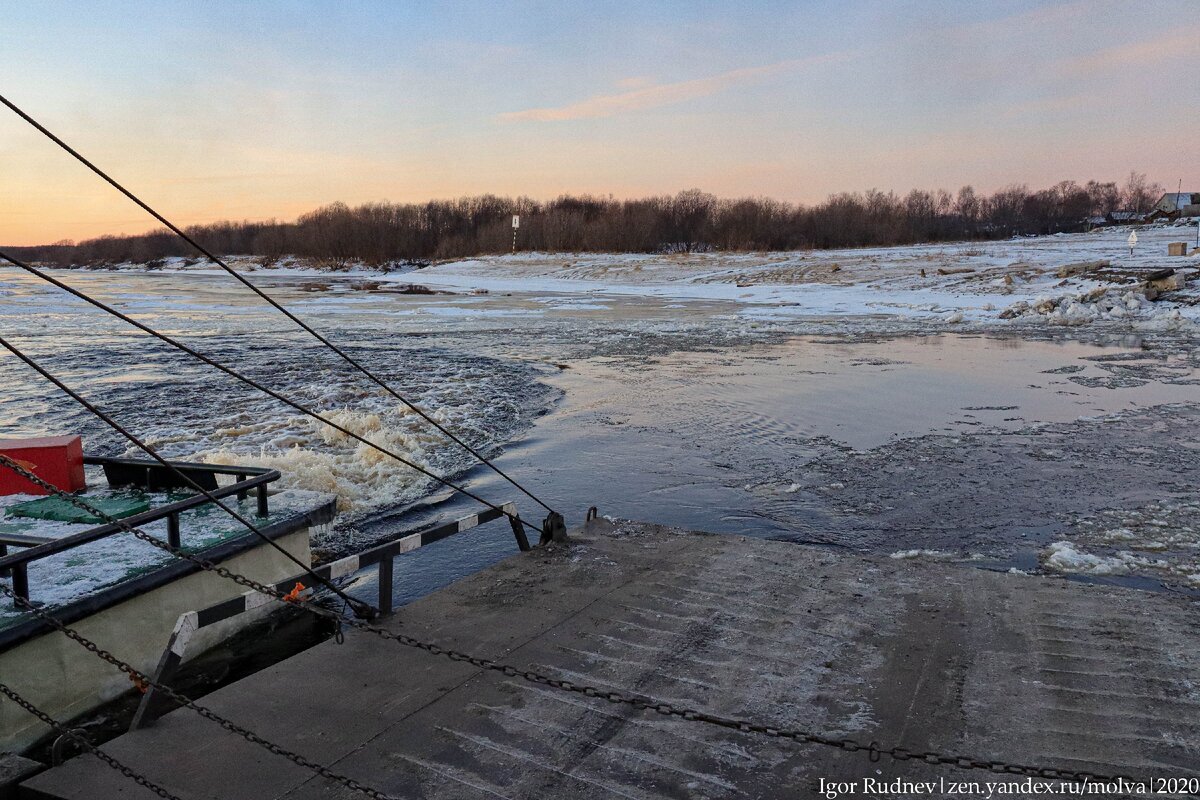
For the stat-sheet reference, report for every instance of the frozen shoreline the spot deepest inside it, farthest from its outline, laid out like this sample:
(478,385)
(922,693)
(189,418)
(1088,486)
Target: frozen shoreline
(968,283)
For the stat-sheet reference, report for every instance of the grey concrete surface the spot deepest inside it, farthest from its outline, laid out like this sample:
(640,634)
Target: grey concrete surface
(64,680)
(904,652)
(13,770)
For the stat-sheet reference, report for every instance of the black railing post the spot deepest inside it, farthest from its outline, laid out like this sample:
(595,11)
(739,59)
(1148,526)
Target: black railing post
(173,530)
(135,473)
(518,529)
(20,581)
(386,569)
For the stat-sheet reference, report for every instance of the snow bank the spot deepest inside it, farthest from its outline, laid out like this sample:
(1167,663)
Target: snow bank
(1046,280)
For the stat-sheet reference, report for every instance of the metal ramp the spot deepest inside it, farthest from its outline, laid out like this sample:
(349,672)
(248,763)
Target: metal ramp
(926,656)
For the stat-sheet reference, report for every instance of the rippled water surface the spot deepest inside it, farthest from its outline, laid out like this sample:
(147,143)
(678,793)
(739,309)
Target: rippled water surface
(693,414)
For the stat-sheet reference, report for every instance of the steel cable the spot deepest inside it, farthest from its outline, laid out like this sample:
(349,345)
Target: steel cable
(636,701)
(143,679)
(274,303)
(358,605)
(250,382)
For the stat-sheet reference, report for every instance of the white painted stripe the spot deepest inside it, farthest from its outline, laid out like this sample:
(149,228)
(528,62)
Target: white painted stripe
(342,567)
(257,599)
(409,543)
(184,628)
(466,523)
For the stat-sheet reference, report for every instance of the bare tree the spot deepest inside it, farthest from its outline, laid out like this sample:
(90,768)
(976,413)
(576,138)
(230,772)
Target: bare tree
(1139,194)
(386,233)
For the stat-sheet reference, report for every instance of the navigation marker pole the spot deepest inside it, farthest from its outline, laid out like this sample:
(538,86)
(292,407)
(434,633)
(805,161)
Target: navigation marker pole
(1132,241)
(516,224)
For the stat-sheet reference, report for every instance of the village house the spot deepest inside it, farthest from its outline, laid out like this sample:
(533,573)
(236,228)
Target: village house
(1114,218)
(1174,205)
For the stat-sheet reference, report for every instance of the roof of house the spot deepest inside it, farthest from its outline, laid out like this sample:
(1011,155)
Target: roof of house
(1180,199)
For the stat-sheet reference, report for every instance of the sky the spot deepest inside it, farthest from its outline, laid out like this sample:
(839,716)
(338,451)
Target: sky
(233,110)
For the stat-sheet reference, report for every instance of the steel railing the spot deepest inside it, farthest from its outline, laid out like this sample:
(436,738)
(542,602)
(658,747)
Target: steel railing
(149,475)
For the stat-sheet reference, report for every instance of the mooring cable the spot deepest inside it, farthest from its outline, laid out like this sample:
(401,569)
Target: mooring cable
(62,730)
(272,301)
(255,384)
(636,701)
(358,605)
(142,679)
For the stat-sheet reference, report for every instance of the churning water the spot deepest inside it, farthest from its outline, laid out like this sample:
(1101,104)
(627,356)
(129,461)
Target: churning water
(687,413)
(188,410)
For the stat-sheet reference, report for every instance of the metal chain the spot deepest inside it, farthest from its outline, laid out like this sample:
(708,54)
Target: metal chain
(365,608)
(139,779)
(203,563)
(143,680)
(873,750)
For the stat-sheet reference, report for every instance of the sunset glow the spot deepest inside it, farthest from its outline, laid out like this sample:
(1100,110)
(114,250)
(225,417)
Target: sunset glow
(252,111)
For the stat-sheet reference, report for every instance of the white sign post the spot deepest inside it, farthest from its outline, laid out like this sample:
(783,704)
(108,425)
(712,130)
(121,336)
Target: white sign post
(516,224)
(1132,241)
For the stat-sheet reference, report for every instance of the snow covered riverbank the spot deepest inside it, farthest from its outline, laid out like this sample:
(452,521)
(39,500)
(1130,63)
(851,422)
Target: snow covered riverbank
(1057,280)
(1063,280)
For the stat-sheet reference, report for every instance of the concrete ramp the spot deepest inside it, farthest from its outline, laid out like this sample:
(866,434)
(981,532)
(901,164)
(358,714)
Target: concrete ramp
(904,652)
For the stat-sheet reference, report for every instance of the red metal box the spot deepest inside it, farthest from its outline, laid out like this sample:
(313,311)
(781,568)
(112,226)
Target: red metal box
(54,459)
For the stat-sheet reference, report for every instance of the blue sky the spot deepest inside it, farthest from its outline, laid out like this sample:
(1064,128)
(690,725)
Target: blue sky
(256,110)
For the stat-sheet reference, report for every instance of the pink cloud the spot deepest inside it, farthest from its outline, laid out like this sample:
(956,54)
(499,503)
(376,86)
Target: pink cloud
(637,99)
(1144,54)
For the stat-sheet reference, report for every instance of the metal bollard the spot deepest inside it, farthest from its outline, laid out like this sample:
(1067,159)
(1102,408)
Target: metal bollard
(554,529)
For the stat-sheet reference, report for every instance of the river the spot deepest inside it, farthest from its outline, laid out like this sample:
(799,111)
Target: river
(691,413)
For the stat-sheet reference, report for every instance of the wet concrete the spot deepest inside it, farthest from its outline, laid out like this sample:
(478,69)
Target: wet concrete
(995,666)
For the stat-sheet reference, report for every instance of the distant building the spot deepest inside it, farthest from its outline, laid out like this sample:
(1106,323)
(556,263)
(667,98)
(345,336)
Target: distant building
(1114,218)
(1124,217)
(1174,205)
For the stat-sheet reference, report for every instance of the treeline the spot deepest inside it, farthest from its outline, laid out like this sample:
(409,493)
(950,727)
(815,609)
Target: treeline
(383,233)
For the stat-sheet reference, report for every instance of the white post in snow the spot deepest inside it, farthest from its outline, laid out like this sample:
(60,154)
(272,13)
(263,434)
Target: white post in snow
(1132,241)
(516,224)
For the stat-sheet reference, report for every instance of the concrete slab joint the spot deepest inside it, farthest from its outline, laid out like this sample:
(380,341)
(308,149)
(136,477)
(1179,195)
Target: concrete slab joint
(13,770)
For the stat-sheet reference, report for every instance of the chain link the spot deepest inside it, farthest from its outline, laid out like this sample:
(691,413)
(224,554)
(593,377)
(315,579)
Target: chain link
(141,679)
(139,779)
(638,702)
(203,563)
